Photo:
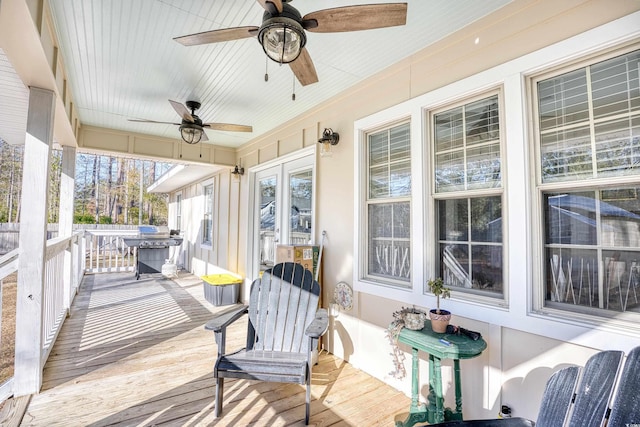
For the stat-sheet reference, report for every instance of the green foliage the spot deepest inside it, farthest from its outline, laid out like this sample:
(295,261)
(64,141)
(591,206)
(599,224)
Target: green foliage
(105,220)
(437,287)
(84,219)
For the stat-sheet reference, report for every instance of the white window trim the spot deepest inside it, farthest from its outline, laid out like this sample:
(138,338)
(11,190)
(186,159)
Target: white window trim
(519,226)
(214,214)
(179,201)
(363,127)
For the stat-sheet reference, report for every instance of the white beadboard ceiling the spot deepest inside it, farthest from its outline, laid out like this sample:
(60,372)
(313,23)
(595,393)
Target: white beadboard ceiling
(14,103)
(122,63)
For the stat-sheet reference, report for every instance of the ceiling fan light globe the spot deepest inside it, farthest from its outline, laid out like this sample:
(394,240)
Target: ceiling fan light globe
(191,134)
(281,45)
(282,39)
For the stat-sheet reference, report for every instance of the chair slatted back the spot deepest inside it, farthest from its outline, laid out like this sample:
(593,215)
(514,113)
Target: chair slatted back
(595,388)
(282,304)
(557,397)
(626,407)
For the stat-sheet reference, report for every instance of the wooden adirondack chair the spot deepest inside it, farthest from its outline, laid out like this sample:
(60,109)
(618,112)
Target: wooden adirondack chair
(557,396)
(584,406)
(625,410)
(594,391)
(284,327)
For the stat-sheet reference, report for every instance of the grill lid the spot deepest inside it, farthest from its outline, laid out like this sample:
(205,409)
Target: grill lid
(152,242)
(153,231)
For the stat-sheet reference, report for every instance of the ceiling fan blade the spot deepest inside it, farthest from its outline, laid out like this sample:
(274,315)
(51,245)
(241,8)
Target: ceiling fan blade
(271,6)
(304,69)
(356,18)
(215,36)
(153,121)
(182,111)
(228,127)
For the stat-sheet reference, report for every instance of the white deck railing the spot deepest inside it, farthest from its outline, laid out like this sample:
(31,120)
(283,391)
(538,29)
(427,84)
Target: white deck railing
(66,261)
(106,251)
(64,269)
(8,266)
(62,276)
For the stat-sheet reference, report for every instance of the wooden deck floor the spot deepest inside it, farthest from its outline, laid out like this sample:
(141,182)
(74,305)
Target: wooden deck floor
(135,353)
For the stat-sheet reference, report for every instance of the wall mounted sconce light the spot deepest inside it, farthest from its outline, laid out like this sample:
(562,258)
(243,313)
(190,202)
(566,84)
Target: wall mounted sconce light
(237,172)
(329,139)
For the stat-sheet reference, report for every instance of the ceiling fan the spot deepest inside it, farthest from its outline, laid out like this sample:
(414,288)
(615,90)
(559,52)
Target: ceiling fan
(282,33)
(191,127)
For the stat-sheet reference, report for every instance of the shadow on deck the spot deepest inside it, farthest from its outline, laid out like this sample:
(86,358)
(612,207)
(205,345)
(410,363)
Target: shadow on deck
(135,353)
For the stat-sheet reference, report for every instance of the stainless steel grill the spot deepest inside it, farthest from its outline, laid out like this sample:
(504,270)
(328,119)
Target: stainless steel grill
(153,245)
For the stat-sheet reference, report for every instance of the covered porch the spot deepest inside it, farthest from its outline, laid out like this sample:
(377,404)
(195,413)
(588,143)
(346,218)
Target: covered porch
(135,352)
(120,351)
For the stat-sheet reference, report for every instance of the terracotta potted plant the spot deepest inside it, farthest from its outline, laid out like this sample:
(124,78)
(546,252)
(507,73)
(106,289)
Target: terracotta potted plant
(439,318)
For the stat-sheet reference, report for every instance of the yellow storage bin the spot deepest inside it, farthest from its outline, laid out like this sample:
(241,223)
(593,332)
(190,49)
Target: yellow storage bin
(221,289)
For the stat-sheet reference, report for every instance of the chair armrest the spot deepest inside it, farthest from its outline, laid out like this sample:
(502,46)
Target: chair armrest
(320,324)
(223,320)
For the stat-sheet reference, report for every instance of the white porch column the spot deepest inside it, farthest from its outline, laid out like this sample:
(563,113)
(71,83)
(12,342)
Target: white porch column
(65,218)
(33,237)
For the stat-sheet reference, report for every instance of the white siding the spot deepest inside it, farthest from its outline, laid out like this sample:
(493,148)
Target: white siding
(523,349)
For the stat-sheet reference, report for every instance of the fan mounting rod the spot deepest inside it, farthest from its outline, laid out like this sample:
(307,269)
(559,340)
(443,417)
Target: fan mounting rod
(192,105)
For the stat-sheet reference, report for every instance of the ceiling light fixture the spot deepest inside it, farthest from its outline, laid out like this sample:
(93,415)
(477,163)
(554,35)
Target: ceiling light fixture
(281,36)
(191,133)
(329,139)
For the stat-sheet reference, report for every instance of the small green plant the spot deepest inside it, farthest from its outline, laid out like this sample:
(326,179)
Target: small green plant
(437,287)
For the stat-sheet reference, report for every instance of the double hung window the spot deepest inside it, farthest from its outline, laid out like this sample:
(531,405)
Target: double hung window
(588,141)
(388,212)
(468,195)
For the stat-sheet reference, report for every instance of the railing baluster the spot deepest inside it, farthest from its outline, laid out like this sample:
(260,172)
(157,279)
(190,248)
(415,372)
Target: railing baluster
(114,246)
(109,247)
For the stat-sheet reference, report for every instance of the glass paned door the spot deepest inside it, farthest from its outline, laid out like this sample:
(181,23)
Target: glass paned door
(283,209)
(300,200)
(268,217)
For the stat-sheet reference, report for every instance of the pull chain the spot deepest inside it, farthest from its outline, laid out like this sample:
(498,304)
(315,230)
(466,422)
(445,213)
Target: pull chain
(293,94)
(266,69)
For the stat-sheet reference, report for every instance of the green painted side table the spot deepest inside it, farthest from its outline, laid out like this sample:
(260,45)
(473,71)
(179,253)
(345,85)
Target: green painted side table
(435,344)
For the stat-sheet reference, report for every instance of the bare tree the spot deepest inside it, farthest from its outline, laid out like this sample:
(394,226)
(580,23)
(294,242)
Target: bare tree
(104,187)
